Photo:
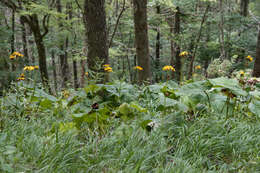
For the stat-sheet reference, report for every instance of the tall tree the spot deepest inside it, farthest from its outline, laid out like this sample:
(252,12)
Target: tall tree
(158,45)
(96,32)
(221,30)
(63,58)
(177,27)
(256,72)
(141,39)
(244,4)
(32,19)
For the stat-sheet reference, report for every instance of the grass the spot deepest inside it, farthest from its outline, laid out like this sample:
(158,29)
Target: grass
(206,143)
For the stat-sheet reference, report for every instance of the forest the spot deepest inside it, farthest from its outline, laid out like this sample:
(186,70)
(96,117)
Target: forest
(130,86)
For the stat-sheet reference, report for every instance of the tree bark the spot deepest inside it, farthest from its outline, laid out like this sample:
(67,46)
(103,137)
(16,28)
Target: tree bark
(96,33)
(256,72)
(38,37)
(13,35)
(244,4)
(63,58)
(158,45)
(141,40)
(221,29)
(24,39)
(54,70)
(177,27)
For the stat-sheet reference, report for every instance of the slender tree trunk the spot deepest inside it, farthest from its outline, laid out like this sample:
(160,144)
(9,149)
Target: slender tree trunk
(158,45)
(13,36)
(24,39)
(96,33)
(30,44)
(197,42)
(256,72)
(38,37)
(221,29)
(170,21)
(244,4)
(177,27)
(54,70)
(141,40)
(63,58)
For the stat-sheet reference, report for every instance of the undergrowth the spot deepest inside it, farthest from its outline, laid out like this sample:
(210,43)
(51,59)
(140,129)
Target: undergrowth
(205,126)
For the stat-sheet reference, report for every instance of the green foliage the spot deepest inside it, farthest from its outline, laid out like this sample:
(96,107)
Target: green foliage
(204,126)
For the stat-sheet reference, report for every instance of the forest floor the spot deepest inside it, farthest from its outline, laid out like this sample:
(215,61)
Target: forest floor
(205,126)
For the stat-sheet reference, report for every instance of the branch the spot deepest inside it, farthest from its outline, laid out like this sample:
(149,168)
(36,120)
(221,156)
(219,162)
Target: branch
(117,23)
(198,40)
(9,4)
(76,1)
(45,24)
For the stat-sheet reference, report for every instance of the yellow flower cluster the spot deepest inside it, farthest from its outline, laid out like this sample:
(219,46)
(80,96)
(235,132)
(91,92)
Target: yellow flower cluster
(168,68)
(198,67)
(30,68)
(15,55)
(22,77)
(138,68)
(249,58)
(107,68)
(184,53)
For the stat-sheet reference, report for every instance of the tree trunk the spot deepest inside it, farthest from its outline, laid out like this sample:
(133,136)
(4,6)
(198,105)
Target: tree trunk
(25,46)
(13,36)
(30,44)
(256,72)
(141,40)
(158,45)
(244,4)
(221,29)
(197,42)
(54,70)
(96,33)
(63,58)
(177,26)
(38,37)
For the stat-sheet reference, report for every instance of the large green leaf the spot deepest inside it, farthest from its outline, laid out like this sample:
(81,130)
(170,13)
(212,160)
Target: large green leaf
(254,107)
(231,84)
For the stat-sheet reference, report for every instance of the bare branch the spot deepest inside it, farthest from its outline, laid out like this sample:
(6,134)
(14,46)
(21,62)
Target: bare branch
(76,1)
(117,23)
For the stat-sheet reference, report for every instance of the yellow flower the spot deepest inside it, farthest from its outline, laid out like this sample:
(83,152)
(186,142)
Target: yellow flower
(198,67)
(22,77)
(138,68)
(28,68)
(249,58)
(242,73)
(12,56)
(108,69)
(15,54)
(168,68)
(36,67)
(184,53)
